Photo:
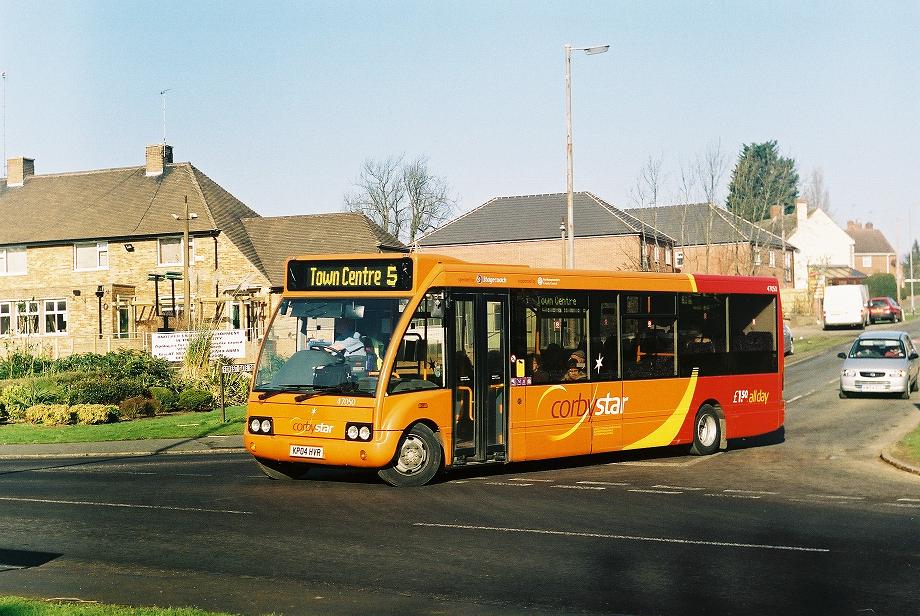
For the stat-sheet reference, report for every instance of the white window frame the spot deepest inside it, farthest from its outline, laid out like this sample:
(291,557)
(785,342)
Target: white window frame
(657,253)
(678,258)
(23,316)
(10,317)
(866,261)
(102,248)
(5,261)
(54,312)
(190,252)
(772,258)
(667,256)
(758,258)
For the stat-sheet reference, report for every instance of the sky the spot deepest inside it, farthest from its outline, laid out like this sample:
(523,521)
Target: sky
(281,103)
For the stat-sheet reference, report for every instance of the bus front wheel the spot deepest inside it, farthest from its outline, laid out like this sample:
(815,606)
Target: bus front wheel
(707,432)
(282,470)
(418,459)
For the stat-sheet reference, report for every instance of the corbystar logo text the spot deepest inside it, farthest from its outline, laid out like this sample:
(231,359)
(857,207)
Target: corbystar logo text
(480,279)
(302,426)
(581,407)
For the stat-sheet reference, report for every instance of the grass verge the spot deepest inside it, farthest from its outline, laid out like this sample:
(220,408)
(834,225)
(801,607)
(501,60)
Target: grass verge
(812,345)
(908,449)
(173,425)
(18,606)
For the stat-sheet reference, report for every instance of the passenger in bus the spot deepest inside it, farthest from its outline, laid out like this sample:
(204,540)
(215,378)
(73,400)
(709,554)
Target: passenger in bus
(577,367)
(370,361)
(537,373)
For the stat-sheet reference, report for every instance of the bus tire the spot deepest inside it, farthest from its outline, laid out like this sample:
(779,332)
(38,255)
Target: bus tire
(282,471)
(707,432)
(417,460)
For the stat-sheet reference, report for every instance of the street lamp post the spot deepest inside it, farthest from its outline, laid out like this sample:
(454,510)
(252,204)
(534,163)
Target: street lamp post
(570,197)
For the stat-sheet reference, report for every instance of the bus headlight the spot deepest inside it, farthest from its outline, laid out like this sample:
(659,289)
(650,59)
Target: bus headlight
(358,432)
(261,425)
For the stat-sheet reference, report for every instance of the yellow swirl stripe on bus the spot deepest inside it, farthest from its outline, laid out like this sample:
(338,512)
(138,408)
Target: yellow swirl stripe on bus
(580,421)
(666,432)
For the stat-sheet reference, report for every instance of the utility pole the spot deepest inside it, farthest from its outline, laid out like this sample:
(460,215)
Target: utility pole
(163,96)
(913,309)
(3,79)
(187,291)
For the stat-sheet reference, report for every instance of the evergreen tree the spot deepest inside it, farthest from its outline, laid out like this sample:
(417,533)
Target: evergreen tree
(761,179)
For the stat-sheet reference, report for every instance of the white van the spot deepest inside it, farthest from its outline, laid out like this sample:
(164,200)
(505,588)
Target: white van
(846,304)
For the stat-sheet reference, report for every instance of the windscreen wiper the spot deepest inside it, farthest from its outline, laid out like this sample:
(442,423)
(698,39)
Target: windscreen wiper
(268,393)
(343,388)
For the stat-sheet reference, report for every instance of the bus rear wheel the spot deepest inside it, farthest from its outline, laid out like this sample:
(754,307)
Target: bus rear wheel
(417,461)
(707,432)
(282,471)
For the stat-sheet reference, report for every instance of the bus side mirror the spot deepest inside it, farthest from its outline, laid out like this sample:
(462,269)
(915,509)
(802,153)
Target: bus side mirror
(842,355)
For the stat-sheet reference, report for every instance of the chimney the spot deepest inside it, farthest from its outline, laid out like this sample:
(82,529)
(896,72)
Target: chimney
(868,225)
(776,211)
(801,211)
(18,169)
(853,225)
(158,156)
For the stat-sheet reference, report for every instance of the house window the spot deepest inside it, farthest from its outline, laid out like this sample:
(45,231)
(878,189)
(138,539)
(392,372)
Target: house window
(12,261)
(758,258)
(91,256)
(6,319)
(867,261)
(170,251)
(772,258)
(657,253)
(679,258)
(27,317)
(55,316)
(667,256)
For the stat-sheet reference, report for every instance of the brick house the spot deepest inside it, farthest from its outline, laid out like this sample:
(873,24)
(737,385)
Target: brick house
(872,252)
(528,230)
(712,240)
(79,252)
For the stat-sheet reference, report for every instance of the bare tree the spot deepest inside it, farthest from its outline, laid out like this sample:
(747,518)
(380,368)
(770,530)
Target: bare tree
(815,192)
(429,201)
(710,168)
(379,194)
(404,198)
(649,183)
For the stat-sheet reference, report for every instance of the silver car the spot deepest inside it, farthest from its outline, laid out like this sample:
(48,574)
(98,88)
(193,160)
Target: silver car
(880,362)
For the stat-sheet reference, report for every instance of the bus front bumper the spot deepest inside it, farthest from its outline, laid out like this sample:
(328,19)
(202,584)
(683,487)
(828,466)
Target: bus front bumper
(376,453)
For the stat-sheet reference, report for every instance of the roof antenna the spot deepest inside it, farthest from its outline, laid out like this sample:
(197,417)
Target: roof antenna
(163,96)
(3,78)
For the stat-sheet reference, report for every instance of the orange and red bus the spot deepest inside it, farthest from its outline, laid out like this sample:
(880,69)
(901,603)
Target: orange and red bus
(413,364)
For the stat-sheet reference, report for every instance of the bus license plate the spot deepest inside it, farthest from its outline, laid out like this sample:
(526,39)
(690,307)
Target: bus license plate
(299,451)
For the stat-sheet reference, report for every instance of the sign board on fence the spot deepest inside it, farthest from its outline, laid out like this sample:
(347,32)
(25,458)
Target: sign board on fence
(229,343)
(236,368)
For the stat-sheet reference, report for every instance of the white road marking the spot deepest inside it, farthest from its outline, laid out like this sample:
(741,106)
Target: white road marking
(566,533)
(653,491)
(193,475)
(539,480)
(507,483)
(578,487)
(677,488)
(836,497)
(688,462)
(750,496)
(793,399)
(909,500)
(603,483)
(911,505)
(125,505)
(731,491)
(833,380)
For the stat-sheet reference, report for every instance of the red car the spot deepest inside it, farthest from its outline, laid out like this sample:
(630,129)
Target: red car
(884,309)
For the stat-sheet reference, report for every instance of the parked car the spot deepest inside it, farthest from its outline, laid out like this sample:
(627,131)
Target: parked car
(880,362)
(788,342)
(884,308)
(846,304)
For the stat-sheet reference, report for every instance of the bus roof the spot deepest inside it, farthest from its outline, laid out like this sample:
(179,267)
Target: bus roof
(332,273)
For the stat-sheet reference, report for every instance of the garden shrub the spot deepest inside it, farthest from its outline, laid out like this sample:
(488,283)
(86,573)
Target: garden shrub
(95,390)
(166,397)
(50,414)
(18,397)
(119,365)
(196,400)
(138,406)
(91,414)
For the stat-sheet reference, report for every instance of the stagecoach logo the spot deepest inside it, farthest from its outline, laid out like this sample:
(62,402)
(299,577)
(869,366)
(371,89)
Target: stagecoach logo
(480,279)
(303,426)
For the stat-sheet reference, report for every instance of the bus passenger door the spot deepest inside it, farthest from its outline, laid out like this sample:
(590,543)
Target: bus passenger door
(478,376)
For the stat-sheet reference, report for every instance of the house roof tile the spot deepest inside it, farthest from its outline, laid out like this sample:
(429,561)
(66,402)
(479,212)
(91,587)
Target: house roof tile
(696,224)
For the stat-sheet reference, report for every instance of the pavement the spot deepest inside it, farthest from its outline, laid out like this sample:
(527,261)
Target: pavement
(151,447)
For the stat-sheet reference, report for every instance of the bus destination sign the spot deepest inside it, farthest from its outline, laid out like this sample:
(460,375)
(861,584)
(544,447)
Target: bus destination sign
(357,275)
